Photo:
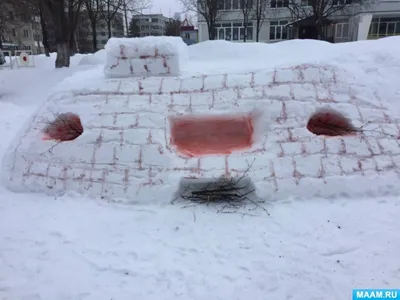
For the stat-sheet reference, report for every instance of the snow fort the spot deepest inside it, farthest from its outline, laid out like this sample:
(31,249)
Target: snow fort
(135,132)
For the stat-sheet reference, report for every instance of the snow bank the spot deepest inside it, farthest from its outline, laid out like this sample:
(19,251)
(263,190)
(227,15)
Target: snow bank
(148,56)
(101,54)
(125,152)
(235,57)
(282,51)
(90,60)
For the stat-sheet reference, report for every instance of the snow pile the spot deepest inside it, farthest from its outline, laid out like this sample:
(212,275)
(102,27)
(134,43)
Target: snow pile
(148,56)
(101,54)
(91,60)
(126,151)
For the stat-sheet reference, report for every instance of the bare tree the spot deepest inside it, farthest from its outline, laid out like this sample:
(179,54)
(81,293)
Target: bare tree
(44,22)
(259,15)
(64,15)
(133,7)
(173,26)
(318,12)
(125,9)
(246,7)
(207,9)
(109,11)
(93,9)
(60,27)
(134,30)
(73,12)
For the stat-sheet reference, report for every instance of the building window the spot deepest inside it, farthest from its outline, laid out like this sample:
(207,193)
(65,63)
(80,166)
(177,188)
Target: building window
(14,32)
(341,2)
(234,31)
(154,20)
(228,4)
(278,30)
(247,3)
(187,36)
(342,30)
(381,27)
(25,33)
(26,18)
(306,2)
(279,3)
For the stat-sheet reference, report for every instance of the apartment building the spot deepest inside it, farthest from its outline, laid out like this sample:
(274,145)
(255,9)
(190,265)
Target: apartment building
(151,24)
(380,19)
(19,31)
(84,34)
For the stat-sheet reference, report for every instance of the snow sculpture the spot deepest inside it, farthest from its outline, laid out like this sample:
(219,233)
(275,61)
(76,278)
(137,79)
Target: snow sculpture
(136,138)
(148,56)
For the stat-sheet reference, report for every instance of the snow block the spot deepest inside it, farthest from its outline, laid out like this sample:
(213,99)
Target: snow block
(147,56)
(140,139)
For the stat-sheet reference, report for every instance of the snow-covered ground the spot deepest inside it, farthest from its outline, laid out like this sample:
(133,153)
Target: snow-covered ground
(75,248)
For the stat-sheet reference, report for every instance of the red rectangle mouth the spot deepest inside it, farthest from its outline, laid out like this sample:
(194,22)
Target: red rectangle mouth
(211,135)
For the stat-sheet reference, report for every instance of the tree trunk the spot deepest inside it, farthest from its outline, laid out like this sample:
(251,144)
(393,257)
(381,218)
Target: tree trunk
(211,32)
(245,21)
(60,24)
(319,31)
(94,34)
(258,28)
(63,57)
(45,34)
(109,28)
(126,18)
(318,27)
(72,24)
(71,44)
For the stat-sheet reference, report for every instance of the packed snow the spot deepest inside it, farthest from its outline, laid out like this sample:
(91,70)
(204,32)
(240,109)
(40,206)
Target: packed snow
(318,241)
(147,56)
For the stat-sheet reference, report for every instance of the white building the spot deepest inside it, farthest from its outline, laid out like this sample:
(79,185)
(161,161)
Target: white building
(151,24)
(369,22)
(19,31)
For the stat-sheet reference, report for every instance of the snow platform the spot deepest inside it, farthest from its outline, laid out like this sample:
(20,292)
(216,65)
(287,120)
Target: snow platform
(135,147)
(147,56)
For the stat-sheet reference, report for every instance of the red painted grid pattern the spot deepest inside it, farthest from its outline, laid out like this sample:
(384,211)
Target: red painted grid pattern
(287,152)
(146,59)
